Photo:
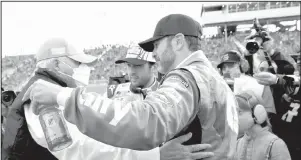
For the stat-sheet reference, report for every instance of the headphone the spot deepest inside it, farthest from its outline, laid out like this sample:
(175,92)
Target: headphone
(259,114)
(244,64)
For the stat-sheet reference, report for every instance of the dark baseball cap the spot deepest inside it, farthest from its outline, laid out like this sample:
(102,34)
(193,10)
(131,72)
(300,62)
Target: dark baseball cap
(230,56)
(137,56)
(172,25)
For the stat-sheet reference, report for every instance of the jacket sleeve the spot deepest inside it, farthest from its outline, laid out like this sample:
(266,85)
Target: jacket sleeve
(84,147)
(279,151)
(139,125)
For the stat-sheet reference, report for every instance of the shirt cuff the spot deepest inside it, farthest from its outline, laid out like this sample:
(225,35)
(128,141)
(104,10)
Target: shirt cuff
(153,154)
(63,96)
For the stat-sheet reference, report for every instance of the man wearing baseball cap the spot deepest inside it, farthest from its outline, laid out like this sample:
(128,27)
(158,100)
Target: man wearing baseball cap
(233,67)
(191,88)
(59,63)
(141,69)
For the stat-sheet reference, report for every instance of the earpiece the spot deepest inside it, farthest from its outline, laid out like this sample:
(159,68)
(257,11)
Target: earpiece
(260,114)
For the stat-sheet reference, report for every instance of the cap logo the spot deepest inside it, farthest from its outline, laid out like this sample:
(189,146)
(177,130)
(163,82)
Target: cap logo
(142,55)
(136,53)
(139,53)
(58,51)
(225,57)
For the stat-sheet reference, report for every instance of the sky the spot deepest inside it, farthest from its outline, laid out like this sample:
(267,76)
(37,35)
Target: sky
(26,25)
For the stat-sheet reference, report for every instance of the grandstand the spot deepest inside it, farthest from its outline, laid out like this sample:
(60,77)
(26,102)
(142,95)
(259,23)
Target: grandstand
(226,18)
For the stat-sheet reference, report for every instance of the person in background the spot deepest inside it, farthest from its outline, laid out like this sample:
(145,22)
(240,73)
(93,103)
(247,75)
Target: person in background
(233,68)
(258,143)
(255,54)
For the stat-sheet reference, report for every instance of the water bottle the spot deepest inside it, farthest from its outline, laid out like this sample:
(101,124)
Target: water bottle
(55,129)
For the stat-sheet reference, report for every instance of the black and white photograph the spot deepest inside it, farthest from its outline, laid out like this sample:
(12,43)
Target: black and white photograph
(150,80)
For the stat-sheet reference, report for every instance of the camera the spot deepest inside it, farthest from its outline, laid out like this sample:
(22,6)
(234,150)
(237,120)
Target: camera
(254,44)
(7,97)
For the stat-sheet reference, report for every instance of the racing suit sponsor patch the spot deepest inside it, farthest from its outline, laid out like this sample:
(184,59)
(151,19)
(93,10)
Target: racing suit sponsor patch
(179,79)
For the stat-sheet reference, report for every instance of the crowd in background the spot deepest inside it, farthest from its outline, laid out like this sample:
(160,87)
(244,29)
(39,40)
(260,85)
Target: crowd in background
(17,69)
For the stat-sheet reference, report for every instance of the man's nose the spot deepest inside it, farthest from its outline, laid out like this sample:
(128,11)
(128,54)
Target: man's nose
(227,69)
(155,52)
(131,71)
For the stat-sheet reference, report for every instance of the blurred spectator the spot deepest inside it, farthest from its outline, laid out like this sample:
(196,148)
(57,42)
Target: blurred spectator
(257,143)
(233,68)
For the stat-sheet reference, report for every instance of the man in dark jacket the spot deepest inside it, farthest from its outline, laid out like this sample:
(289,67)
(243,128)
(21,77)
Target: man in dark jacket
(58,63)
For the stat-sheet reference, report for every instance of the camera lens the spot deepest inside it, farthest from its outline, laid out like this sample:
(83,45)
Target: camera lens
(252,47)
(8,97)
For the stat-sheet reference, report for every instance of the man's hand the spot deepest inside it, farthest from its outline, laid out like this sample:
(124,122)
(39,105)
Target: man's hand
(42,93)
(174,150)
(266,78)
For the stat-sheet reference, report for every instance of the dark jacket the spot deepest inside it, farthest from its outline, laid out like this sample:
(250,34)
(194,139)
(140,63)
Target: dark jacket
(17,141)
(283,64)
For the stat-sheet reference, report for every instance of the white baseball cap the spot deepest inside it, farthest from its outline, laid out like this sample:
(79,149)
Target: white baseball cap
(137,56)
(58,47)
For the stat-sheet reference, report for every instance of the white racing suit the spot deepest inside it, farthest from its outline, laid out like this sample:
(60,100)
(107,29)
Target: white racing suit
(86,148)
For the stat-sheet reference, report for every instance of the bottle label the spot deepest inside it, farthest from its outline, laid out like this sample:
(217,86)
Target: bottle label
(53,127)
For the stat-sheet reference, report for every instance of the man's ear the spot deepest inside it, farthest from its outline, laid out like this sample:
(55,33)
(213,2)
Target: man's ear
(220,71)
(179,41)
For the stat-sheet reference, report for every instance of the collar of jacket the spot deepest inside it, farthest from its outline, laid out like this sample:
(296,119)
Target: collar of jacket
(259,132)
(197,56)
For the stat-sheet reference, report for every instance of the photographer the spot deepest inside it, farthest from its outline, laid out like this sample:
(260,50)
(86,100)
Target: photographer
(260,47)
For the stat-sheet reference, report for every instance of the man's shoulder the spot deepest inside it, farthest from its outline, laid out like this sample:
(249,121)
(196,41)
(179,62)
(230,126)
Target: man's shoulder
(180,75)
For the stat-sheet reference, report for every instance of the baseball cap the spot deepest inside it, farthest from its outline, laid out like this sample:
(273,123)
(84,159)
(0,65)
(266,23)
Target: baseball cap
(230,56)
(172,25)
(58,47)
(137,56)
(247,100)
